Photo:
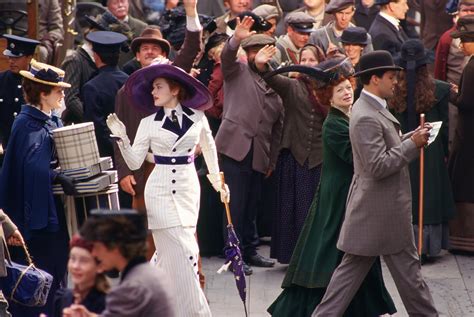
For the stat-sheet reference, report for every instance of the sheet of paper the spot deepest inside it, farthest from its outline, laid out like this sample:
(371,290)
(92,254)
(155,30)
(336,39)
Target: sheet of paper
(436,126)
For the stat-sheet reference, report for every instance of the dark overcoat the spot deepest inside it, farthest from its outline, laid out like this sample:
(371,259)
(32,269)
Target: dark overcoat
(461,166)
(11,99)
(385,36)
(99,101)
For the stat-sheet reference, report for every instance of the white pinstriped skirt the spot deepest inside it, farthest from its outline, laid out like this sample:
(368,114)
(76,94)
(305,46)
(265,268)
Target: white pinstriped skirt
(177,254)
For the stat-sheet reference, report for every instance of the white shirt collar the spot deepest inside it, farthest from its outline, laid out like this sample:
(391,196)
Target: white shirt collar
(394,21)
(381,101)
(179,111)
(88,48)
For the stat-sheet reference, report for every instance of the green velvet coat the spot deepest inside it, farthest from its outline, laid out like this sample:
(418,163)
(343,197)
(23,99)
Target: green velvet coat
(438,203)
(316,256)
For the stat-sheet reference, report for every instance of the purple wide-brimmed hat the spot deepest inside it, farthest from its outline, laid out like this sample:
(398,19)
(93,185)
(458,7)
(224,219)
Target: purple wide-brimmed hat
(139,85)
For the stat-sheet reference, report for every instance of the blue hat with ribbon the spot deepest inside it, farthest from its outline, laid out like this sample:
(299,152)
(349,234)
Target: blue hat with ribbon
(18,46)
(45,74)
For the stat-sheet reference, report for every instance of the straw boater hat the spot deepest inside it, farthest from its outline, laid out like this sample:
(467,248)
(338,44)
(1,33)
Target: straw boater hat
(45,74)
(139,85)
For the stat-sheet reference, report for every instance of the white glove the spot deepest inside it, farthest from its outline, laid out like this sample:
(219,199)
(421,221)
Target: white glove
(220,187)
(117,128)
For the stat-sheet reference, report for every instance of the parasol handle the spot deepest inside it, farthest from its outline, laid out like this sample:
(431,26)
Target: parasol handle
(226,204)
(421,192)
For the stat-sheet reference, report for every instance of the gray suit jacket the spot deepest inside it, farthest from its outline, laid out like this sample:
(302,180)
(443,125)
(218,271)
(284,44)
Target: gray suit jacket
(252,114)
(378,211)
(143,292)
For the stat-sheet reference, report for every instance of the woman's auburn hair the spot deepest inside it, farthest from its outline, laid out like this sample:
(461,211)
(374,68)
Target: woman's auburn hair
(32,91)
(182,94)
(425,91)
(325,93)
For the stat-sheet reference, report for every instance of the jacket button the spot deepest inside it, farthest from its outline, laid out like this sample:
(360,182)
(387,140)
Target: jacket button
(173,170)
(173,160)
(19,86)
(191,258)
(174,192)
(16,99)
(174,150)
(1,100)
(173,181)
(189,150)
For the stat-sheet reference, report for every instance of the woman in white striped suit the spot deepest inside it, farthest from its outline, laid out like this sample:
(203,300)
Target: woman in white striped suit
(172,191)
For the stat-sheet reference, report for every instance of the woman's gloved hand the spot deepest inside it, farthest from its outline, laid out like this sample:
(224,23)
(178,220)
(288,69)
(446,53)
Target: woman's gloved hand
(219,186)
(67,183)
(117,128)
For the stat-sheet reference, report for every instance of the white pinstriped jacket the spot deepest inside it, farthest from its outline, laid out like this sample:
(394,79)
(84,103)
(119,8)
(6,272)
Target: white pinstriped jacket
(172,191)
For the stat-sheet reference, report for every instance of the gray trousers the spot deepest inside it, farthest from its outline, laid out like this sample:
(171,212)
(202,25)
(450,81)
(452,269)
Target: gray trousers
(405,269)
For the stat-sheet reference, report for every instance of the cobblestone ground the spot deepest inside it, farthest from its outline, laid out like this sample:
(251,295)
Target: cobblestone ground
(450,278)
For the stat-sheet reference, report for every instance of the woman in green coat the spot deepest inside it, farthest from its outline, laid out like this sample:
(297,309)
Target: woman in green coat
(431,97)
(316,256)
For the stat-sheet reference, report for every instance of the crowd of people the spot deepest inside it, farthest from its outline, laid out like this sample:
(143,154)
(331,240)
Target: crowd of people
(303,116)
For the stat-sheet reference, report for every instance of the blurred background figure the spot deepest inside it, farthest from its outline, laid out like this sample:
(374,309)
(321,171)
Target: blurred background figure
(90,285)
(417,92)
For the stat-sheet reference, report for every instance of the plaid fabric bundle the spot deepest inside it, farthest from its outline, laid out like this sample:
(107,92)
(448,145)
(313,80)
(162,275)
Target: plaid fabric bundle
(91,185)
(76,146)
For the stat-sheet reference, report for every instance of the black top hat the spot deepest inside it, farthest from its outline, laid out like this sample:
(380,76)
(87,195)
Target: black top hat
(260,24)
(355,35)
(106,41)
(18,46)
(119,226)
(413,55)
(376,61)
(465,29)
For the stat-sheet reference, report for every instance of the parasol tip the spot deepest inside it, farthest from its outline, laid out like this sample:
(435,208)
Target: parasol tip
(223,268)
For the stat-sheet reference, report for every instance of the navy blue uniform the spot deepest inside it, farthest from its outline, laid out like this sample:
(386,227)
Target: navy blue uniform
(27,198)
(11,99)
(99,101)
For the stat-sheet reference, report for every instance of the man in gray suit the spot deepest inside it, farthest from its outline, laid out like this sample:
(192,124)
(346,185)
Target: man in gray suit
(249,134)
(378,210)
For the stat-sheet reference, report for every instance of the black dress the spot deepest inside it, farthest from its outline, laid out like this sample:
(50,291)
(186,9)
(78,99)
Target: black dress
(94,301)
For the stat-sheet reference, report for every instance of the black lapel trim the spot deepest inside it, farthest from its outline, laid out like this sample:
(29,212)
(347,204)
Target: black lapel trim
(160,114)
(170,126)
(187,110)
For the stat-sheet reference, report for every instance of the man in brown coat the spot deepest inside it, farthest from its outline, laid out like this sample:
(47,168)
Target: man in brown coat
(379,208)
(249,134)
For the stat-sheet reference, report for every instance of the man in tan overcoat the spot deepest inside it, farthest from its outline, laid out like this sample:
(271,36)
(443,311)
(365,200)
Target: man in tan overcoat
(379,208)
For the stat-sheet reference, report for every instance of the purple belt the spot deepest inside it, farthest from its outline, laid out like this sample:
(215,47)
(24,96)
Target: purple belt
(173,160)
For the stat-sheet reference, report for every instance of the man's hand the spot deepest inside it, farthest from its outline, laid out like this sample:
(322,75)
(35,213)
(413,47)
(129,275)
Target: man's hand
(190,7)
(420,136)
(77,311)
(269,172)
(263,56)
(16,239)
(127,184)
(242,29)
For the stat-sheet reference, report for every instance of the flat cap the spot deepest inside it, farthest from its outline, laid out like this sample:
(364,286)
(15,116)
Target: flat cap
(300,22)
(257,40)
(338,5)
(465,29)
(267,11)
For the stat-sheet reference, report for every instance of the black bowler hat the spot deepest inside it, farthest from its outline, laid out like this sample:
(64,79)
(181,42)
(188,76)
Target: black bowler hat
(376,61)
(413,55)
(214,40)
(260,24)
(465,29)
(106,41)
(116,226)
(18,46)
(355,35)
